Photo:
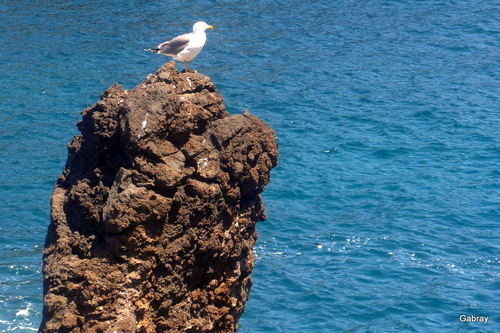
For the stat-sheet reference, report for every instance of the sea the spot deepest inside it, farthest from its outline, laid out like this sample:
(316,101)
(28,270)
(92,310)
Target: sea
(383,214)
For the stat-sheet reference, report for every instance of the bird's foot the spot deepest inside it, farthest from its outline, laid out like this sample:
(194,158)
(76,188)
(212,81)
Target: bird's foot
(189,71)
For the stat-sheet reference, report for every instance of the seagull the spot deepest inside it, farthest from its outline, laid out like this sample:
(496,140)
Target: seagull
(185,47)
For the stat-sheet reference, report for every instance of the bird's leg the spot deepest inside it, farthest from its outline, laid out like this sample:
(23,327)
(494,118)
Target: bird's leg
(189,68)
(185,70)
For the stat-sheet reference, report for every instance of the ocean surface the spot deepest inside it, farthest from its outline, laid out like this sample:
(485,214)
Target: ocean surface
(384,211)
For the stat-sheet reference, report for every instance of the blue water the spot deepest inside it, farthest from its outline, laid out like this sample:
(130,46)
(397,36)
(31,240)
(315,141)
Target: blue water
(383,214)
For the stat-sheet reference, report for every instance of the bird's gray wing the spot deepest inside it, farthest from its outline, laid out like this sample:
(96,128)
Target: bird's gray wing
(175,45)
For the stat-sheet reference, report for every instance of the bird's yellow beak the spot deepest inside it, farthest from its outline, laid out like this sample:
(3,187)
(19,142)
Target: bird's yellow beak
(210,27)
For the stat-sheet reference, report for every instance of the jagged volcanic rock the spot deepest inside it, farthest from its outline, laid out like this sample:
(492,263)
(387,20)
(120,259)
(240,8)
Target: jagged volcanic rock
(153,217)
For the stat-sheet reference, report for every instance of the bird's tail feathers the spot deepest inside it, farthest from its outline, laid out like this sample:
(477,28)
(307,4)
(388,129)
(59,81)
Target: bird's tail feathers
(152,50)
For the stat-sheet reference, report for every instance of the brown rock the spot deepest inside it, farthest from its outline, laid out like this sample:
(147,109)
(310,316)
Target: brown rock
(153,217)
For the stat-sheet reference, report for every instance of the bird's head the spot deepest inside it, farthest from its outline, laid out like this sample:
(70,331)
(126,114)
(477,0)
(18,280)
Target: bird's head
(201,26)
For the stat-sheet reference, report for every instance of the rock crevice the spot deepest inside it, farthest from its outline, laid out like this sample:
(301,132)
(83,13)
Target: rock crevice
(153,217)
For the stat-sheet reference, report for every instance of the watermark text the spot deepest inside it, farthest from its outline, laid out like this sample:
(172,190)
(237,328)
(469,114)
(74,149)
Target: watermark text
(471,319)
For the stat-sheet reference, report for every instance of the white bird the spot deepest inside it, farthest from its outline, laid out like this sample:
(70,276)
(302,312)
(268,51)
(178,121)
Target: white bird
(185,47)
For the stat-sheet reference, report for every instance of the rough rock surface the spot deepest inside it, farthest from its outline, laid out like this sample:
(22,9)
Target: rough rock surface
(153,217)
